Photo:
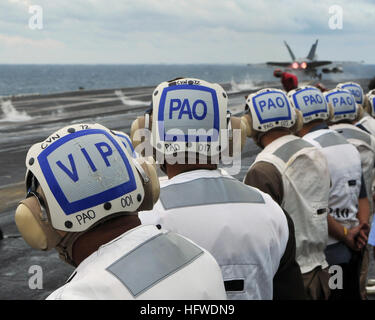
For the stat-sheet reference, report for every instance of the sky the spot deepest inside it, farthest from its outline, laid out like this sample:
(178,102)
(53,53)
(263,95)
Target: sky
(184,31)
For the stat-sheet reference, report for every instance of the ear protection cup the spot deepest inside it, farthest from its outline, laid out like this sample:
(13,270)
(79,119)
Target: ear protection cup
(331,111)
(246,118)
(141,123)
(367,105)
(237,124)
(29,228)
(299,121)
(151,185)
(35,229)
(251,132)
(137,124)
(360,113)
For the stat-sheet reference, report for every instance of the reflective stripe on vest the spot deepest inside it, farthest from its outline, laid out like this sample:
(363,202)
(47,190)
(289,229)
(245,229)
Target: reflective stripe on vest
(153,261)
(355,134)
(330,139)
(287,150)
(206,191)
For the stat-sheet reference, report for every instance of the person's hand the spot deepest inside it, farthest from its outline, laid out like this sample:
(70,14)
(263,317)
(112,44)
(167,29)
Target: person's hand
(350,238)
(362,237)
(356,237)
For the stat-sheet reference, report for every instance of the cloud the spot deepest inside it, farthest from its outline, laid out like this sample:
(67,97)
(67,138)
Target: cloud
(16,41)
(178,31)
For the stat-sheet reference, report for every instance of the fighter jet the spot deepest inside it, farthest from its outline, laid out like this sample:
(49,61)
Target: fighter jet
(308,64)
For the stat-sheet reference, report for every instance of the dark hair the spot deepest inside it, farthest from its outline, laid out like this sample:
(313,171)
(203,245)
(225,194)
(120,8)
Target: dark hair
(371,84)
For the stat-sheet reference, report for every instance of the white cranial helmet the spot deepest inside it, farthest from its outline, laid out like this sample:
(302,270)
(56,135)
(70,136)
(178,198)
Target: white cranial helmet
(85,172)
(79,176)
(369,104)
(183,108)
(126,141)
(269,109)
(344,105)
(311,102)
(189,117)
(355,89)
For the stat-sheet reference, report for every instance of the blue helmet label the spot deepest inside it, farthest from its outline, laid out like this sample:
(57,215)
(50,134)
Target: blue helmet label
(184,109)
(271,106)
(310,101)
(343,102)
(127,144)
(85,169)
(355,90)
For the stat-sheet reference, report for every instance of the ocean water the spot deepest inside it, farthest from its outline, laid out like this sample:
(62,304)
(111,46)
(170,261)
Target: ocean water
(44,79)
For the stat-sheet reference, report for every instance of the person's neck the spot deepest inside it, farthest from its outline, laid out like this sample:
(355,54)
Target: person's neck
(271,136)
(175,169)
(90,241)
(308,127)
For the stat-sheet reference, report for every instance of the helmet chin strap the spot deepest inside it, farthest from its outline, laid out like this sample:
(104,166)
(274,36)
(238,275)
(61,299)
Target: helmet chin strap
(143,174)
(65,247)
(259,138)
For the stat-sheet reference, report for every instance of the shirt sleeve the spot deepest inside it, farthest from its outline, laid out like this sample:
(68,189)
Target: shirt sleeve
(266,177)
(362,192)
(371,237)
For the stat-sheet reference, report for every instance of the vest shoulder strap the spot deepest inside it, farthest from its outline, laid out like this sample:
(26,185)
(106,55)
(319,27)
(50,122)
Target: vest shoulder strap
(349,133)
(330,139)
(153,261)
(207,191)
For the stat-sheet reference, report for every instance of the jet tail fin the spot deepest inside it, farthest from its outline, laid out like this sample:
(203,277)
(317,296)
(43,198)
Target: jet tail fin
(290,51)
(311,54)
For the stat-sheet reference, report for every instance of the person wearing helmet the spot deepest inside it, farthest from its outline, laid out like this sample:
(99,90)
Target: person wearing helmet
(296,175)
(347,113)
(321,87)
(288,80)
(83,193)
(244,229)
(347,197)
(365,122)
(369,107)
(371,84)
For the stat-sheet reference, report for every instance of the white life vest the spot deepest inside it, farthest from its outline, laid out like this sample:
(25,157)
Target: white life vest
(306,182)
(242,227)
(145,263)
(365,144)
(368,123)
(345,175)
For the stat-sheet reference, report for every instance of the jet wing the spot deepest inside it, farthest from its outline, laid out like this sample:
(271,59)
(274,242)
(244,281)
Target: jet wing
(315,64)
(279,64)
